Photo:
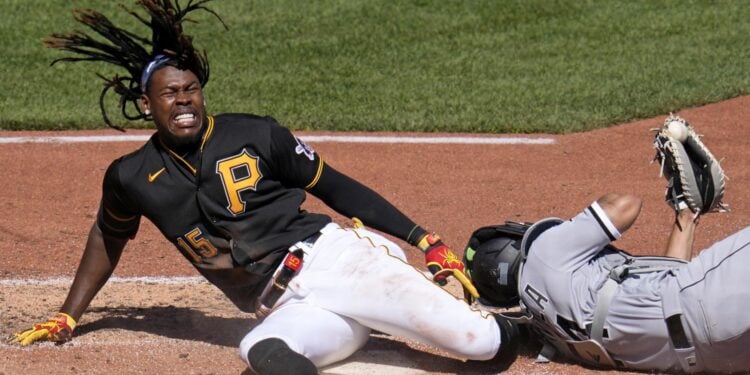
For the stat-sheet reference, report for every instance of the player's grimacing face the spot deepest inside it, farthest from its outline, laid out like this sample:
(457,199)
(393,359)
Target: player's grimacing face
(175,99)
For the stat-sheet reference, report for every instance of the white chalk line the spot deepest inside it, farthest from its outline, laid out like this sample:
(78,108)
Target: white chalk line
(159,280)
(309,138)
(76,139)
(92,343)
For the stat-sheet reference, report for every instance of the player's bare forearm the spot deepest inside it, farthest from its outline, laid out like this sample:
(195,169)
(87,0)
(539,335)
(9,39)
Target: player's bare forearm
(680,243)
(97,264)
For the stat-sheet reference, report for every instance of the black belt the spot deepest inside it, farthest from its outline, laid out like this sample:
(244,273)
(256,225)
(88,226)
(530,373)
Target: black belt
(677,333)
(680,340)
(310,241)
(291,264)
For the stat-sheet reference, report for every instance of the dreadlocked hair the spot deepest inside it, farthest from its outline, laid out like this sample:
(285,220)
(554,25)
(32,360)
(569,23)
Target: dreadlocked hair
(129,51)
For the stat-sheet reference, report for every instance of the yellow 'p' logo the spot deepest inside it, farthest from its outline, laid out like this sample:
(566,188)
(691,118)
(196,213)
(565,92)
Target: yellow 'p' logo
(238,173)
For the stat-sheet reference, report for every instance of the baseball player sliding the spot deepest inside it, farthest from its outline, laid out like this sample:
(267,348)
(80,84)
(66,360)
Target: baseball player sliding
(594,303)
(226,190)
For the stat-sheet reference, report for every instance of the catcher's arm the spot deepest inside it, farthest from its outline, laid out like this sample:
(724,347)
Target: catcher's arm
(680,243)
(97,264)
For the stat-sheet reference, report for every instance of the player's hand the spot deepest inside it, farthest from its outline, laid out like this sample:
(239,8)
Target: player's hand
(58,329)
(442,262)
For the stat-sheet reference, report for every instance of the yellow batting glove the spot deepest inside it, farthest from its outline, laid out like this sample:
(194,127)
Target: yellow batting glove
(58,329)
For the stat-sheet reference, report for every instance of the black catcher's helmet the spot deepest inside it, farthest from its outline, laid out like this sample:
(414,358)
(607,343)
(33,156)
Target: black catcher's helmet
(494,257)
(492,260)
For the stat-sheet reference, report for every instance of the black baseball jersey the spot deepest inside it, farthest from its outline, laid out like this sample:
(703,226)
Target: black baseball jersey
(231,206)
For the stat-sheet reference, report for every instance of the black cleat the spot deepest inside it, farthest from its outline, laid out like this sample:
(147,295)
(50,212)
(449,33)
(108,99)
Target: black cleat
(509,342)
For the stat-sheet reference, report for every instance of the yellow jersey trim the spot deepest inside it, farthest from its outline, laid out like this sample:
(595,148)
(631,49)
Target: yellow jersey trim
(180,159)
(118,218)
(117,230)
(209,131)
(317,174)
(206,135)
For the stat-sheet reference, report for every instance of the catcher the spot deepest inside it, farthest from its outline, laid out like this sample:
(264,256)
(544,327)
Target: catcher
(226,190)
(590,302)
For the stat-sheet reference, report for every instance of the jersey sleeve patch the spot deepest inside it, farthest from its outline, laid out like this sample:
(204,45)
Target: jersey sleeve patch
(292,161)
(304,149)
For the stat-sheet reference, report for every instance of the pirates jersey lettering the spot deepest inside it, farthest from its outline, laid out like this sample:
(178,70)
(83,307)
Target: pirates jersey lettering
(238,173)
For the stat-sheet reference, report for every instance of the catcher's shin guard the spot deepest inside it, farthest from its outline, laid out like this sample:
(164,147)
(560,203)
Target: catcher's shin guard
(274,357)
(510,337)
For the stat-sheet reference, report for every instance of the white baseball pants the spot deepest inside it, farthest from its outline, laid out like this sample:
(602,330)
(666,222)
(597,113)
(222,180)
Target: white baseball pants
(354,280)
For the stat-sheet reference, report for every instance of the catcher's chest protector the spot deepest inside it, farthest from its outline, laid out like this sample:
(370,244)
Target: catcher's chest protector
(585,343)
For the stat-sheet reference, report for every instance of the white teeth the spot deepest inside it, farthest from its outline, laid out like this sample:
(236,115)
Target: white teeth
(185,116)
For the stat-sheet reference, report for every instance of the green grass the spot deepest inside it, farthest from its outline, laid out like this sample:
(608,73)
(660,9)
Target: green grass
(418,65)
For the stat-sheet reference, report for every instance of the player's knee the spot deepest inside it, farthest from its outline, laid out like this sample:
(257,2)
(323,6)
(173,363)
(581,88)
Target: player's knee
(622,209)
(273,356)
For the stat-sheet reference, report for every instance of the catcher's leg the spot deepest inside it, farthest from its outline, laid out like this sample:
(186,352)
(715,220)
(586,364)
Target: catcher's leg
(716,299)
(320,336)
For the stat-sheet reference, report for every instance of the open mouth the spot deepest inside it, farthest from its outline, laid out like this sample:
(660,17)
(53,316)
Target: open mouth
(185,119)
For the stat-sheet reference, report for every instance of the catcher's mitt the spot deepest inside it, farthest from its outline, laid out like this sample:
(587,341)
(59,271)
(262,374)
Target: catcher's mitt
(695,178)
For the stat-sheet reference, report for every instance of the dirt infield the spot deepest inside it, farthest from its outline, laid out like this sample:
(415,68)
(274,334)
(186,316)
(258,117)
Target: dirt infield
(52,191)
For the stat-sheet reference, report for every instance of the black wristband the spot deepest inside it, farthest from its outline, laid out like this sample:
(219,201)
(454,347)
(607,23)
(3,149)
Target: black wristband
(415,235)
